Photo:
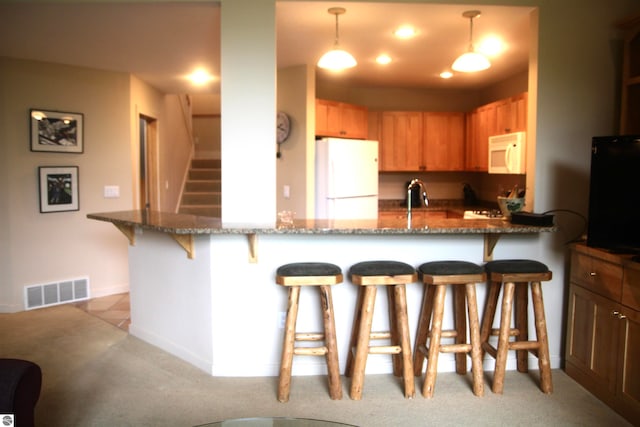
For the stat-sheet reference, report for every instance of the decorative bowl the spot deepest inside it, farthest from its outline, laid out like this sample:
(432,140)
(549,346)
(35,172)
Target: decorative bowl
(510,204)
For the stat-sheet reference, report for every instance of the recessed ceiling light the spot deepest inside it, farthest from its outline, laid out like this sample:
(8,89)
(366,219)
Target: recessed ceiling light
(200,77)
(405,32)
(383,59)
(446,74)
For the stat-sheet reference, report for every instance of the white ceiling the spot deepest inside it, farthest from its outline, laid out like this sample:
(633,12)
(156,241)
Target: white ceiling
(162,42)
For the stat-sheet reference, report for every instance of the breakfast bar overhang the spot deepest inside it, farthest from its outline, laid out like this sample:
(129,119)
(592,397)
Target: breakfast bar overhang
(204,290)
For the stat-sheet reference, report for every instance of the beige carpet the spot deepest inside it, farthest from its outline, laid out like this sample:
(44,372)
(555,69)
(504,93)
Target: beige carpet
(95,374)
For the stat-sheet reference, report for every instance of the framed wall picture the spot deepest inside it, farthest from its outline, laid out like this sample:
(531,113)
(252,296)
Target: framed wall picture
(56,131)
(58,188)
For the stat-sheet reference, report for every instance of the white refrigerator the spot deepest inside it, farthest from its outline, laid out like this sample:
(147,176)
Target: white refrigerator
(346,179)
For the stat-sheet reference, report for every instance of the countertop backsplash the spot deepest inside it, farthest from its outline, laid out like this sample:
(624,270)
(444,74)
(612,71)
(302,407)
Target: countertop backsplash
(435,204)
(447,186)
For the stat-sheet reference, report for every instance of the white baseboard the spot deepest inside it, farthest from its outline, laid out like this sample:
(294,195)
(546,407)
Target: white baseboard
(112,290)
(172,348)
(11,308)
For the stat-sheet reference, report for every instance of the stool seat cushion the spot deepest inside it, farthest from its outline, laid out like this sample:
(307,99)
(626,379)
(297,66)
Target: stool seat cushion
(381,268)
(449,268)
(505,266)
(309,269)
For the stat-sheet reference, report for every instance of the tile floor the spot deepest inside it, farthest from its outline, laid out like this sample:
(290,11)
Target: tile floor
(113,309)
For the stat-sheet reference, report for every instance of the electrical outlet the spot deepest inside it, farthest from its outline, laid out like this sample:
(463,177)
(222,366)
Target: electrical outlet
(282,318)
(286,192)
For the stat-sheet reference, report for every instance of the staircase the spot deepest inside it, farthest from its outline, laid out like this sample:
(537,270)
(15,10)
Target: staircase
(201,195)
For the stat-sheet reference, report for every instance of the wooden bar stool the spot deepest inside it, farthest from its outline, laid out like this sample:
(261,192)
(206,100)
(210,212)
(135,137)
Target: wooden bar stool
(516,275)
(368,275)
(322,275)
(436,276)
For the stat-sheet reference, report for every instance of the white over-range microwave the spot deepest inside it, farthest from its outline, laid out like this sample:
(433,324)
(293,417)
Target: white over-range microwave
(507,153)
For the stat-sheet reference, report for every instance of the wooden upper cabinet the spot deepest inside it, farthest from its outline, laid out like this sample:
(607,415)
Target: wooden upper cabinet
(497,118)
(511,114)
(470,143)
(401,141)
(503,116)
(412,141)
(443,141)
(327,118)
(354,121)
(338,119)
(518,113)
(477,147)
(374,122)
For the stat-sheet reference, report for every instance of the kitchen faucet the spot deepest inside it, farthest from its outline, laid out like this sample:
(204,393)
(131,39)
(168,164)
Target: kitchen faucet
(410,187)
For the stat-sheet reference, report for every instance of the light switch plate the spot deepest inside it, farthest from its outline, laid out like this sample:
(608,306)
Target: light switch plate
(111,191)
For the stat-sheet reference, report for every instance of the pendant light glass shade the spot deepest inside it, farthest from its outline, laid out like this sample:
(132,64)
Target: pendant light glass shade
(471,61)
(337,59)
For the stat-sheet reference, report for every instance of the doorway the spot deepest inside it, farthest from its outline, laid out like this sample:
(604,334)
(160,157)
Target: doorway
(148,179)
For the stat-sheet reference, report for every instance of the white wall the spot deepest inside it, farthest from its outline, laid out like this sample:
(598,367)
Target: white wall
(248,90)
(6,194)
(206,125)
(206,135)
(49,247)
(42,248)
(176,150)
(145,101)
(295,167)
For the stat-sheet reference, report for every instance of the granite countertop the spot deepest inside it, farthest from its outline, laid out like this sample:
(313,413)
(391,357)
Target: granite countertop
(192,224)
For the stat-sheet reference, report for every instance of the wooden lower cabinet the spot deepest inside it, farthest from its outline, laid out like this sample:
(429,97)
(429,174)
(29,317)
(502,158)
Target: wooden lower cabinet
(593,333)
(629,363)
(603,329)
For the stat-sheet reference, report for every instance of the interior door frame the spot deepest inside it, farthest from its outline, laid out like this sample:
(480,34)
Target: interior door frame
(149,180)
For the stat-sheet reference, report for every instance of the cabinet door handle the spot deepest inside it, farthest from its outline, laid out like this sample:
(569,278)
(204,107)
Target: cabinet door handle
(619,315)
(592,274)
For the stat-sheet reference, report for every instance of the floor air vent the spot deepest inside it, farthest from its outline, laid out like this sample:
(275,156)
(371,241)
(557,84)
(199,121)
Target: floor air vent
(44,295)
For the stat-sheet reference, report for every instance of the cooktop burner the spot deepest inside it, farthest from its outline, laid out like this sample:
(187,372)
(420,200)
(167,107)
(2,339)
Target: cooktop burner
(485,213)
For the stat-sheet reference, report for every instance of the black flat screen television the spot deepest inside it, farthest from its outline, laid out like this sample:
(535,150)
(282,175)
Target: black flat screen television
(614,194)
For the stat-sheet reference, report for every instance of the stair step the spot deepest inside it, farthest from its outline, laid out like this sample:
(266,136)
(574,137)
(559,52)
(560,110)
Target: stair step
(202,191)
(200,198)
(209,210)
(204,174)
(206,164)
(203,185)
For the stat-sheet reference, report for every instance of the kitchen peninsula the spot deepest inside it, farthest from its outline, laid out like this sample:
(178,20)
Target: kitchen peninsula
(204,290)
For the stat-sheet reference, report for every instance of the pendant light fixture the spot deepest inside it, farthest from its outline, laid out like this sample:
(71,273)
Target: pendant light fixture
(337,59)
(471,61)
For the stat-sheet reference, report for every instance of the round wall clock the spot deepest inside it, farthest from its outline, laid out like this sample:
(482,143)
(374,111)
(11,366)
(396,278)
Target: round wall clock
(283,127)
